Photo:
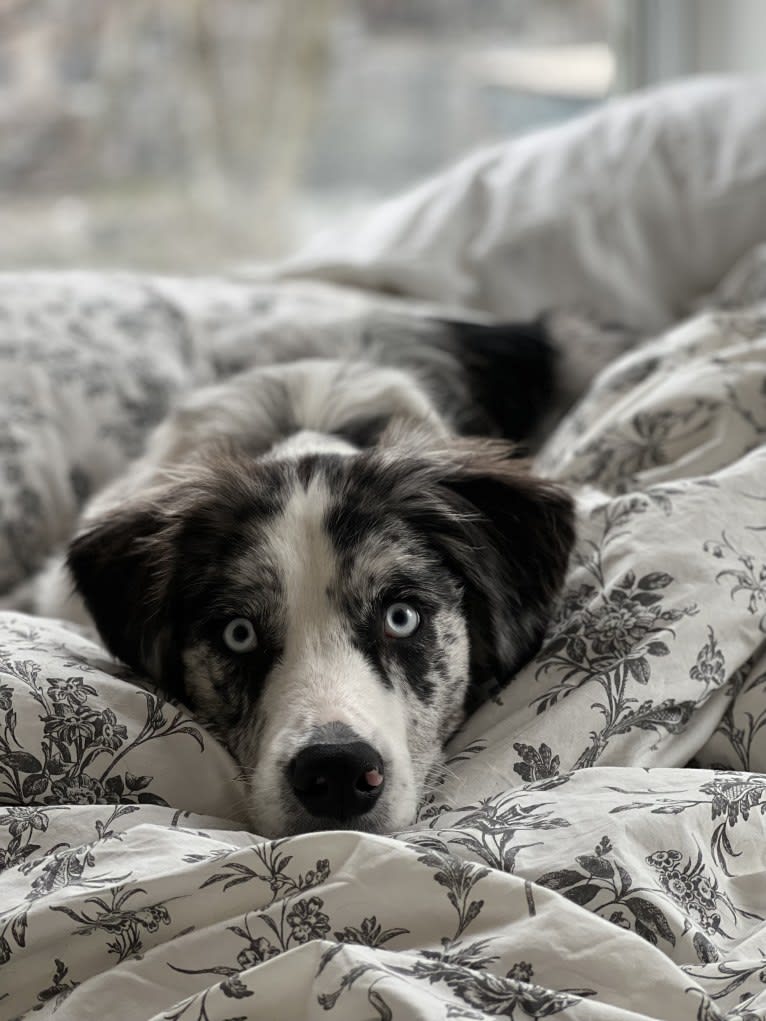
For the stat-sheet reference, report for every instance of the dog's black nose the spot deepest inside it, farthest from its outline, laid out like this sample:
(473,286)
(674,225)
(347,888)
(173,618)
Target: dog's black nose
(337,781)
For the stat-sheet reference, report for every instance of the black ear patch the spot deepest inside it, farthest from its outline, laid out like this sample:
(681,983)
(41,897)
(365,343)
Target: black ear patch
(123,566)
(515,535)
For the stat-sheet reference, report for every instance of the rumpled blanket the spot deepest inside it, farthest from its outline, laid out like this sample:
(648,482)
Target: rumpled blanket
(596,844)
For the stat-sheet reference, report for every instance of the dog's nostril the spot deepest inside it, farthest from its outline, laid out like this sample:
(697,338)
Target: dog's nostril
(370,780)
(338,781)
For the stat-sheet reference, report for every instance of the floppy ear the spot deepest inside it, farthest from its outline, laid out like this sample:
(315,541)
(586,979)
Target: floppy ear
(508,533)
(123,565)
(514,551)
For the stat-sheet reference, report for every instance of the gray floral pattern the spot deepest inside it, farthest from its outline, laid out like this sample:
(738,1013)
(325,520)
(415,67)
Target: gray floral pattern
(612,796)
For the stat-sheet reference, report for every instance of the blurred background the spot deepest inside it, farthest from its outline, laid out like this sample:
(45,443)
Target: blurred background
(187,135)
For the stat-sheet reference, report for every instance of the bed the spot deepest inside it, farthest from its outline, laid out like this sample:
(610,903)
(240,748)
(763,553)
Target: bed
(596,847)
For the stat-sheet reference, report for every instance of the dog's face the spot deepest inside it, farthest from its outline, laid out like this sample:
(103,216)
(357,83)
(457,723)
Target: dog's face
(329,614)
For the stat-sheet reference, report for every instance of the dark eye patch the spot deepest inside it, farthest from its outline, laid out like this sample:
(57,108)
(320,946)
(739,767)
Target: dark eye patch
(420,582)
(236,676)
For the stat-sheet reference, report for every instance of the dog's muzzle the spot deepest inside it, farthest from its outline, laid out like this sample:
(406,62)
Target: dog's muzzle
(337,779)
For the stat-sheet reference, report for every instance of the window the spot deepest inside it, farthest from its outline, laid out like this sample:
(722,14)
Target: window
(192,134)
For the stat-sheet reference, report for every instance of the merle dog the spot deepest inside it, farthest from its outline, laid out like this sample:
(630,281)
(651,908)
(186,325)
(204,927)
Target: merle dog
(328,554)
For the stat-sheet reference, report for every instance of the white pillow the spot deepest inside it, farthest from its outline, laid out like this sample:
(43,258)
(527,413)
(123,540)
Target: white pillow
(632,212)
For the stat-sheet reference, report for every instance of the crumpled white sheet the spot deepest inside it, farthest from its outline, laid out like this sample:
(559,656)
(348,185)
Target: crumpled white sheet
(530,886)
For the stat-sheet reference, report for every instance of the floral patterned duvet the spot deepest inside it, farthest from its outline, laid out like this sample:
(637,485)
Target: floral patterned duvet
(596,848)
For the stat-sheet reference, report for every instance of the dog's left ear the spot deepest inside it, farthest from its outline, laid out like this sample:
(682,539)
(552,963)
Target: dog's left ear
(510,534)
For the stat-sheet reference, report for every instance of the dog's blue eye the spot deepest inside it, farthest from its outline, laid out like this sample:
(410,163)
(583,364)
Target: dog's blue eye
(239,635)
(402,620)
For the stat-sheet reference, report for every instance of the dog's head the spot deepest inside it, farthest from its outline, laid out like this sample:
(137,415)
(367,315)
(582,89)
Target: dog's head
(328,614)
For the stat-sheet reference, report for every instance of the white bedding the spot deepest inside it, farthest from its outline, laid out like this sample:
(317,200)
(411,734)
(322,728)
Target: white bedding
(529,886)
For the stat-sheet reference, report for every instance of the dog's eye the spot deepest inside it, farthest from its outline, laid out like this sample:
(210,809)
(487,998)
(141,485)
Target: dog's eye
(402,620)
(239,635)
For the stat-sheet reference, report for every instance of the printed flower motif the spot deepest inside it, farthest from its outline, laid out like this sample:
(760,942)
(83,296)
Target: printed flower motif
(5,950)
(744,574)
(6,697)
(690,887)
(704,891)
(69,725)
(710,922)
(521,972)
(307,921)
(618,918)
(235,988)
(620,627)
(58,991)
(734,798)
(78,790)
(536,764)
(710,668)
(62,868)
(109,732)
(20,819)
(73,690)
(322,870)
(679,886)
(151,918)
(661,859)
(259,950)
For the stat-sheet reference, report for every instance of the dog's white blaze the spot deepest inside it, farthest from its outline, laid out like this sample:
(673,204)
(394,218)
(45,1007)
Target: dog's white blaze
(321,678)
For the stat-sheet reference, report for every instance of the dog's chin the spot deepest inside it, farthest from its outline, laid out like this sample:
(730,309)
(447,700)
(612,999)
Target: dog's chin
(290,819)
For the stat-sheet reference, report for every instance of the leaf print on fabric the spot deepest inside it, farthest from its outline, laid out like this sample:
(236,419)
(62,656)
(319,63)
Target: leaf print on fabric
(464,971)
(749,577)
(59,989)
(458,878)
(605,885)
(710,667)
(611,637)
(125,926)
(369,934)
(490,830)
(299,919)
(63,866)
(273,871)
(75,735)
(730,976)
(615,460)
(741,729)
(232,988)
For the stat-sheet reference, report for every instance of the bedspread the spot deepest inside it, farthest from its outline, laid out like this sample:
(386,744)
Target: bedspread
(595,847)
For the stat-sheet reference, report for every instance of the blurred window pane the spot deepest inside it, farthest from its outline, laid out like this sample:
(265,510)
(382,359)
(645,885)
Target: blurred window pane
(190,134)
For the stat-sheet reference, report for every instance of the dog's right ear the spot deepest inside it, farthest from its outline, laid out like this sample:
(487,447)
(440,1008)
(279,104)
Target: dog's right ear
(123,565)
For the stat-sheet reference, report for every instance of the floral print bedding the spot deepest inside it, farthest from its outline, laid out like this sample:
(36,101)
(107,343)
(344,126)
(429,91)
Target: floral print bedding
(596,845)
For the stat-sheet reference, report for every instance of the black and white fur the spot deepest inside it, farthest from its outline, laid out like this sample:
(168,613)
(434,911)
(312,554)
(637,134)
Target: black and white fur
(307,496)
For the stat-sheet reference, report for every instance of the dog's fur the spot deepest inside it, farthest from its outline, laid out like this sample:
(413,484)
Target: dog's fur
(307,496)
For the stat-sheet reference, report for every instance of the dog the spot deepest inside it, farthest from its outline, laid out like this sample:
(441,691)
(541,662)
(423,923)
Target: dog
(331,552)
